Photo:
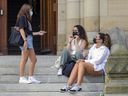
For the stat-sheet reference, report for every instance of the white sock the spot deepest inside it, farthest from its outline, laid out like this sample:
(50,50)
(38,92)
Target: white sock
(30,77)
(22,77)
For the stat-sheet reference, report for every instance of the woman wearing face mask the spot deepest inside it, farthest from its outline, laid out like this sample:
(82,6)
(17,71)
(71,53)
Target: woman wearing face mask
(94,65)
(74,49)
(26,43)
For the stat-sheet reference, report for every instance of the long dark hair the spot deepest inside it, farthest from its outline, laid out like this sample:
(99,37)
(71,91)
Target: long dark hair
(24,11)
(106,39)
(82,34)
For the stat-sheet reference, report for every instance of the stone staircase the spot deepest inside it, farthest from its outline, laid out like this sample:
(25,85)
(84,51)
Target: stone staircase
(51,83)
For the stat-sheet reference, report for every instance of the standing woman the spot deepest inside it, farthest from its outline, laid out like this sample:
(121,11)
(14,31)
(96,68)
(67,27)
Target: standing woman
(26,43)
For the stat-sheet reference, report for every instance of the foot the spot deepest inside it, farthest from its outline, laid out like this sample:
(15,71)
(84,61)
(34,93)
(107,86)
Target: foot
(34,80)
(65,88)
(59,73)
(24,80)
(75,88)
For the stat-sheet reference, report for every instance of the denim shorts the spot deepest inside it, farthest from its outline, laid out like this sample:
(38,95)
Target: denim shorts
(29,42)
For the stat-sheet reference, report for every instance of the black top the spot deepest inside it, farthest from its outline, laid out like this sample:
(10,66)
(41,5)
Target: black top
(23,23)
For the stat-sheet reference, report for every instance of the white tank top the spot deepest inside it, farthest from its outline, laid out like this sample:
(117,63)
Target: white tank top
(73,47)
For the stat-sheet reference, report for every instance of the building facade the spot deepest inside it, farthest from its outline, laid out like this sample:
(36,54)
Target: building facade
(58,17)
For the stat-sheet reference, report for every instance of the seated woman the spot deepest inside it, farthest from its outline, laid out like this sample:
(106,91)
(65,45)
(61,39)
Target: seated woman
(94,65)
(75,47)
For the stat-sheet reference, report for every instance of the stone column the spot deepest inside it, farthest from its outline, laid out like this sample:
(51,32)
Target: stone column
(91,18)
(91,15)
(72,14)
(61,25)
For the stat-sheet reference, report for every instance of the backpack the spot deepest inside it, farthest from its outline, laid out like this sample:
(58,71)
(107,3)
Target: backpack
(68,68)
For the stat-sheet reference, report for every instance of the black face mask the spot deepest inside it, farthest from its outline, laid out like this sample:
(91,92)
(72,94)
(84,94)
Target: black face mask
(94,40)
(75,33)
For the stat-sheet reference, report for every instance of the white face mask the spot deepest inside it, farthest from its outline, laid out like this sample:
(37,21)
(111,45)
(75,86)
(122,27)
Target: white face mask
(31,12)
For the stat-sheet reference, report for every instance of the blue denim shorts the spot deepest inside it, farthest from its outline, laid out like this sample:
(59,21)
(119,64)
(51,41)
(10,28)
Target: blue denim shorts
(29,42)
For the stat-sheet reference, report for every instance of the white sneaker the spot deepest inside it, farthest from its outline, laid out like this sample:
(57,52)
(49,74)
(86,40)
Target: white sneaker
(75,88)
(65,88)
(24,80)
(59,73)
(33,80)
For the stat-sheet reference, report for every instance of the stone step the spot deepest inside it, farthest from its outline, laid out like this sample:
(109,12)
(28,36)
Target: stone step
(50,79)
(46,87)
(49,94)
(13,61)
(116,95)
(38,70)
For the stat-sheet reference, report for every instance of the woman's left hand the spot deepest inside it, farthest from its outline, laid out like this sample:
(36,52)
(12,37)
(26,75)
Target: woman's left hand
(41,32)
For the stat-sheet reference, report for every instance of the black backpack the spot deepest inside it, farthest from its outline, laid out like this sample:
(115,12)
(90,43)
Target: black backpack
(68,68)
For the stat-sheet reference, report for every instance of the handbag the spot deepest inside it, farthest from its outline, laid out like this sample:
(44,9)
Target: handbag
(68,68)
(57,62)
(15,36)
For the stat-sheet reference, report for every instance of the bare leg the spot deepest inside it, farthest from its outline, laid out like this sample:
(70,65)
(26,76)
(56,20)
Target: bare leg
(33,60)
(86,68)
(81,72)
(73,75)
(24,58)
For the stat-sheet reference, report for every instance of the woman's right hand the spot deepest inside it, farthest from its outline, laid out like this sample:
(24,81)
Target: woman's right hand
(25,46)
(70,39)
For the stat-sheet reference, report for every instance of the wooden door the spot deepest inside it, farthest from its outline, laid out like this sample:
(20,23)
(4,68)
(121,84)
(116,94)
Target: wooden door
(3,26)
(49,23)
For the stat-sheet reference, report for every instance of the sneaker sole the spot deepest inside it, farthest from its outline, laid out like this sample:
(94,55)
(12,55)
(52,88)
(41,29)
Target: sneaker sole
(24,83)
(74,91)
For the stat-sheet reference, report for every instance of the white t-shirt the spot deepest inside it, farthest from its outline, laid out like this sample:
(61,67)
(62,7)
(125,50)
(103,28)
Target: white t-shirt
(98,57)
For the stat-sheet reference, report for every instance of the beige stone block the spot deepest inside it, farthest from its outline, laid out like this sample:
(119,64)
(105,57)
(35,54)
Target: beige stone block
(81,8)
(91,8)
(61,39)
(70,23)
(62,27)
(117,7)
(103,7)
(73,9)
(113,21)
(61,12)
(61,1)
(60,42)
(91,24)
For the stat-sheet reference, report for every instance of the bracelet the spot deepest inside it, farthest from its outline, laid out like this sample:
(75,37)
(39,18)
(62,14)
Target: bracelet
(25,40)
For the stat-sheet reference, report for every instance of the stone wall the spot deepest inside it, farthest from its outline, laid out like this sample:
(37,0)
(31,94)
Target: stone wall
(113,13)
(94,15)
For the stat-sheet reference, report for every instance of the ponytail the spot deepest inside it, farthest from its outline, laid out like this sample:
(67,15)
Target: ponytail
(107,41)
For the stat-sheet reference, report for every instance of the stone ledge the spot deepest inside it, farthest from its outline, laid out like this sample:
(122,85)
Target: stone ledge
(117,87)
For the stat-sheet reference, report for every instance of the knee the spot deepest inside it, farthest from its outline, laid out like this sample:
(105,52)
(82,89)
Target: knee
(65,50)
(34,60)
(81,64)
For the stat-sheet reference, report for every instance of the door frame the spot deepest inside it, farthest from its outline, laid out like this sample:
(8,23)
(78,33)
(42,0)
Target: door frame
(3,28)
(48,23)
(48,19)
